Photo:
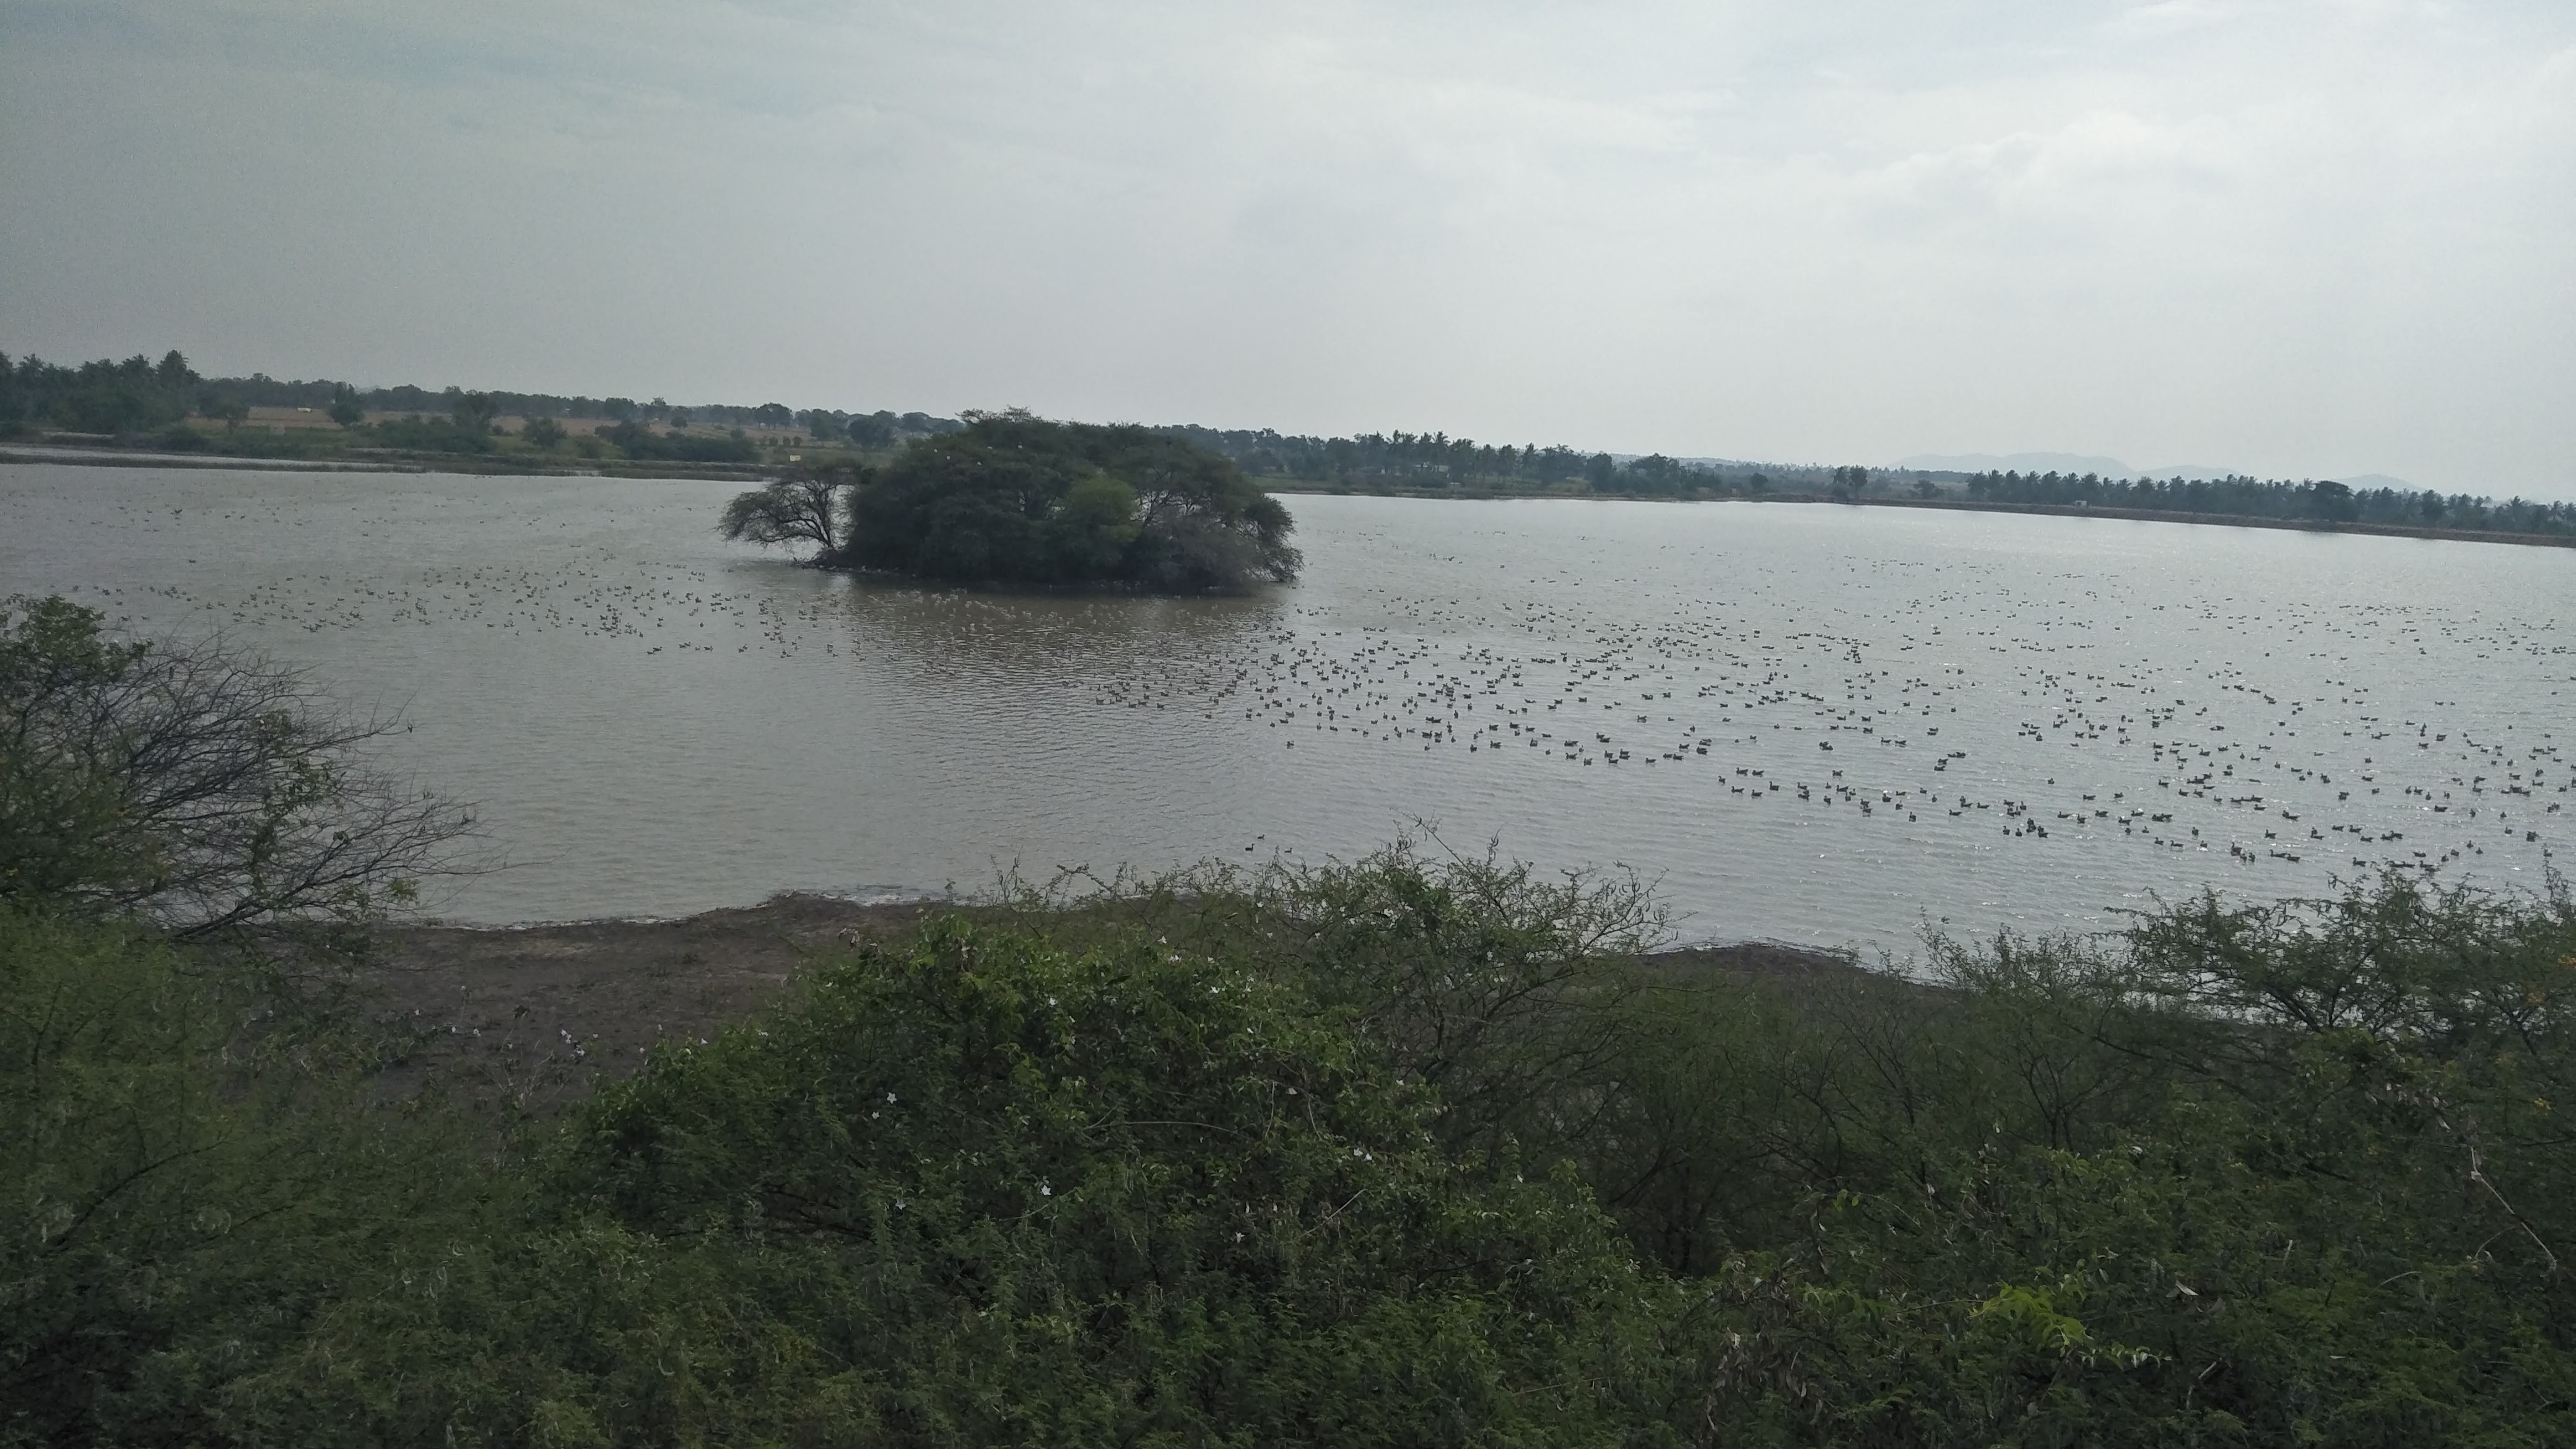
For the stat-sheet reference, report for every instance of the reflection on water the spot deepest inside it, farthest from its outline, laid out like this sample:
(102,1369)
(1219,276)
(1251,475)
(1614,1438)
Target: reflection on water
(1806,722)
(1031,642)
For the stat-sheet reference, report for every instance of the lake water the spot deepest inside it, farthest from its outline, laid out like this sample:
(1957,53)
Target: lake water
(1803,722)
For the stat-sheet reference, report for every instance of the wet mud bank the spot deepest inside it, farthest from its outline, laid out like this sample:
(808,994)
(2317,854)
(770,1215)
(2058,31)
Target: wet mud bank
(533,1017)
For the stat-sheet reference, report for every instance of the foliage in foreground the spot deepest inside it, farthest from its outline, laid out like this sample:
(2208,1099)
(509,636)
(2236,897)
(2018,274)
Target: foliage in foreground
(203,788)
(188,1176)
(1409,1151)
(984,1190)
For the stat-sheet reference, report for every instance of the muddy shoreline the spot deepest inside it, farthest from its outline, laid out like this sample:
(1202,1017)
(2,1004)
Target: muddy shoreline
(532,1017)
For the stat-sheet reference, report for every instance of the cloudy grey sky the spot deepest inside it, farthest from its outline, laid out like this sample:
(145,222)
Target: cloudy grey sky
(2303,237)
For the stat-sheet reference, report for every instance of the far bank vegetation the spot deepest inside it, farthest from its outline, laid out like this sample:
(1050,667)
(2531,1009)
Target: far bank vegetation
(166,406)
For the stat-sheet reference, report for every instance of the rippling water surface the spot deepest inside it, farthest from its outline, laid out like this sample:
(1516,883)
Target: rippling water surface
(1807,723)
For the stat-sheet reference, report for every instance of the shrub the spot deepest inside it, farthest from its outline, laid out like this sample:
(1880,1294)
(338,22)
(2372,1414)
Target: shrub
(187,1178)
(985,1190)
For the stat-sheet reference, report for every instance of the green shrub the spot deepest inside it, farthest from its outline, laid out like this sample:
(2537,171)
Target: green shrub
(643,444)
(186,1176)
(431,435)
(989,1191)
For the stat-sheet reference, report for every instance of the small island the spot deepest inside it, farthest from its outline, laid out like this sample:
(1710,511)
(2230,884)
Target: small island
(1013,498)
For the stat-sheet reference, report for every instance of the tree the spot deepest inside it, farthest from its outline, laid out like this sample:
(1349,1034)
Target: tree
(542,432)
(1655,473)
(2332,502)
(223,404)
(638,441)
(1018,498)
(474,411)
(202,787)
(772,415)
(346,409)
(806,506)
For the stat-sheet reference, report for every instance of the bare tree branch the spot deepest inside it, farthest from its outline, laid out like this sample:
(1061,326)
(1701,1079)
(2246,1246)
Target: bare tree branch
(203,787)
(803,507)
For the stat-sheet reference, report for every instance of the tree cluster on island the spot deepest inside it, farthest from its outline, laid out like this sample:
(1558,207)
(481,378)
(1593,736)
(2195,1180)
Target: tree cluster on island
(1014,498)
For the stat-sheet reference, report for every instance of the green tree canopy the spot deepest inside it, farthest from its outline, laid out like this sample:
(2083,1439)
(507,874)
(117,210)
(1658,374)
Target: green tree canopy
(475,411)
(1018,498)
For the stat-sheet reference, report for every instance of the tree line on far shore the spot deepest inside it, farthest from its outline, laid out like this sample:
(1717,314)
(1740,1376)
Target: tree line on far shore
(1406,461)
(143,401)
(2310,500)
(1410,462)
(140,401)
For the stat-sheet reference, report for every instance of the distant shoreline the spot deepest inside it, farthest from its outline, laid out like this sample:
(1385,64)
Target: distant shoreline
(480,466)
(2229,520)
(472,464)
(1963,505)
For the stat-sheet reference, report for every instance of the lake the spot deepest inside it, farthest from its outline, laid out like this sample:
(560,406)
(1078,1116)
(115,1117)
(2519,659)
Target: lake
(1806,723)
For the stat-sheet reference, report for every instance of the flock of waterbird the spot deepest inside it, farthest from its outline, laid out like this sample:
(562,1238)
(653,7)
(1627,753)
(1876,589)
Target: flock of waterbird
(1802,720)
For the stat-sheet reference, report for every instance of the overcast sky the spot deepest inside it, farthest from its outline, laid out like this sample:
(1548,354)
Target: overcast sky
(2304,239)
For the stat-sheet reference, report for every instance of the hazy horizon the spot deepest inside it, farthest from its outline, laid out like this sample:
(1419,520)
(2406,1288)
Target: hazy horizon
(2297,240)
